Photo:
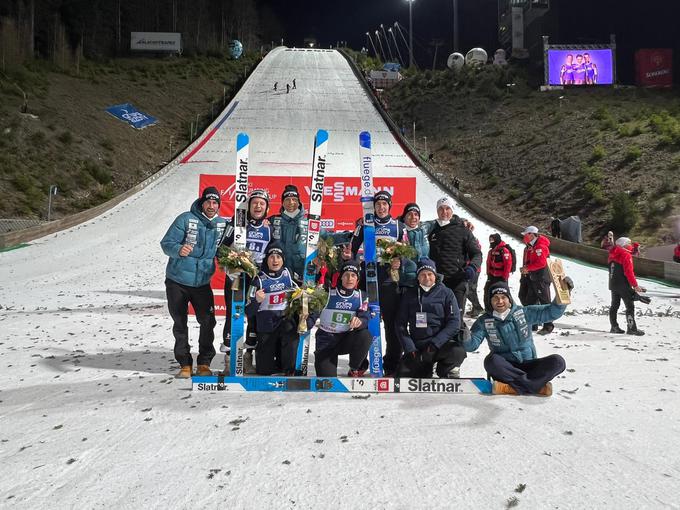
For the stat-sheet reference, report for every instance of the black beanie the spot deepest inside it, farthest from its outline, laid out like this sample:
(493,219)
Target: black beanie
(274,248)
(211,193)
(351,265)
(411,206)
(500,288)
(290,191)
(383,195)
(496,238)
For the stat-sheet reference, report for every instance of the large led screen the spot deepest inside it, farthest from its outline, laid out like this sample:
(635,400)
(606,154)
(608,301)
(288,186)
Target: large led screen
(580,67)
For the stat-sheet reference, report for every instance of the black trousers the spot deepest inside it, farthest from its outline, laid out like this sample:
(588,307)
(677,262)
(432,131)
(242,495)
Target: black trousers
(277,351)
(472,293)
(627,299)
(459,287)
(389,308)
(527,377)
(534,289)
(450,355)
(201,298)
(490,280)
(355,343)
(251,332)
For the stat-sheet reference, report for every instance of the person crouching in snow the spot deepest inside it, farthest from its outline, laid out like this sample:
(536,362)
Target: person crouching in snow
(343,326)
(277,336)
(427,326)
(512,362)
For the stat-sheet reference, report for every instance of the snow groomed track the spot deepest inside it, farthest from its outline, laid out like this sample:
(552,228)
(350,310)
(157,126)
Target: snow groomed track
(91,417)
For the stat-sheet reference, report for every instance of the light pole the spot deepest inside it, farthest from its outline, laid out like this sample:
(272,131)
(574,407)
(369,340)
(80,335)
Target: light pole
(455,25)
(53,191)
(410,33)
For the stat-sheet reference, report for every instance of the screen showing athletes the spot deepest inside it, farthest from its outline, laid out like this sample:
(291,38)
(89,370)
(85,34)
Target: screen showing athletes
(580,66)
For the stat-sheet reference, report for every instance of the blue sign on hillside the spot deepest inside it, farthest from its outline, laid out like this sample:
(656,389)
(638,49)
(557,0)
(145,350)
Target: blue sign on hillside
(128,113)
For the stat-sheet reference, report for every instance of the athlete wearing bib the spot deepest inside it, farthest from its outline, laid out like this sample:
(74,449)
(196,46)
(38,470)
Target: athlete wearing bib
(277,336)
(343,326)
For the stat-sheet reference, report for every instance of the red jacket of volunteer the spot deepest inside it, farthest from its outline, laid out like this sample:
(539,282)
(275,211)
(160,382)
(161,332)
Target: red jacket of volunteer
(536,254)
(499,261)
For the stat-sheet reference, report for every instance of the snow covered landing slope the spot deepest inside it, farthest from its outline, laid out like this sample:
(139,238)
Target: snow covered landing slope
(91,418)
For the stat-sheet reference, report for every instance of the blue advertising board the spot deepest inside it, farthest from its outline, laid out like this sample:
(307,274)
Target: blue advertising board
(128,113)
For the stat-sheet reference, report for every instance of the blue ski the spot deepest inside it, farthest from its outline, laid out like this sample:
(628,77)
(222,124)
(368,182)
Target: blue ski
(238,301)
(367,191)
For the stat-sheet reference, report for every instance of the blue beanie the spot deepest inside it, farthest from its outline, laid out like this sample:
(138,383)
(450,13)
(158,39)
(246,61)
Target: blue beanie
(426,264)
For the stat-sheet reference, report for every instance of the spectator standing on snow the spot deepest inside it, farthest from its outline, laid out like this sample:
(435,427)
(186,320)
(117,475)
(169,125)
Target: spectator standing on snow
(191,244)
(534,284)
(623,286)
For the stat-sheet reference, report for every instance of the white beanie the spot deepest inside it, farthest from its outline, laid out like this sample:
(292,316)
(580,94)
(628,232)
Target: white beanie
(445,202)
(623,241)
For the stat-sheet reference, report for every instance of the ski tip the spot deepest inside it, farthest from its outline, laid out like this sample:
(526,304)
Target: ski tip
(241,141)
(321,137)
(365,139)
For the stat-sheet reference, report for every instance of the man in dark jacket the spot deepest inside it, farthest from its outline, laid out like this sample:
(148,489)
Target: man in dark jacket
(623,286)
(534,284)
(191,244)
(427,327)
(512,362)
(455,250)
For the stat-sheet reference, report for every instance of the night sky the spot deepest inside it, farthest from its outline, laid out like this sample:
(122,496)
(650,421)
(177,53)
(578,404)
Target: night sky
(637,24)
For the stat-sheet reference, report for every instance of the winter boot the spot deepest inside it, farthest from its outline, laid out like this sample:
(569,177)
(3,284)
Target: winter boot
(184,372)
(546,390)
(453,373)
(632,327)
(501,388)
(546,329)
(616,329)
(203,370)
(248,367)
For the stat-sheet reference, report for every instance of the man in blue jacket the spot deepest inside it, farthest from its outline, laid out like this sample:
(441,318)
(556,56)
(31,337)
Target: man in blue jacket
(191,243)
(427,326)
(513,363)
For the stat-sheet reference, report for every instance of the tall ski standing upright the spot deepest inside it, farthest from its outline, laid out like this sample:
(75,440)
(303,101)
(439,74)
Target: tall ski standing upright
(238,291)
(367,191)
(313,233)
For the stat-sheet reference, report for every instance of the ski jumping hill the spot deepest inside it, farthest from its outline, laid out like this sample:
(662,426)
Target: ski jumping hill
(90,416)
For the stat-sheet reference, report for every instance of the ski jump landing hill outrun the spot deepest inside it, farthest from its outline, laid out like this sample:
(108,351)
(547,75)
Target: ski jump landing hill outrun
(90,416)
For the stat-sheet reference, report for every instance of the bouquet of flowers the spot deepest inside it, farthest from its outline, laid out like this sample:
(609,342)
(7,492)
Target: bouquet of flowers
(303,301)
(328,254)
(232,261)
(394,250)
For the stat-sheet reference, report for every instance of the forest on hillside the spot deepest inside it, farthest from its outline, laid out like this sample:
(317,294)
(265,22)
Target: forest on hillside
(63,31)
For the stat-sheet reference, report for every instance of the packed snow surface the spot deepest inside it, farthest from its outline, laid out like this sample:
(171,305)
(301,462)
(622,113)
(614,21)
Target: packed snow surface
(91,417)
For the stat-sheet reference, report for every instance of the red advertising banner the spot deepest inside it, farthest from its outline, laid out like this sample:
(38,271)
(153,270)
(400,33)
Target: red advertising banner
(341,203)
(654,67)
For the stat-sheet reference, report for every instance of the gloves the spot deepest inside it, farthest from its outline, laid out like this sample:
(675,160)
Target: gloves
(642,299)
(569,283)
(470,272)
(427,355)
